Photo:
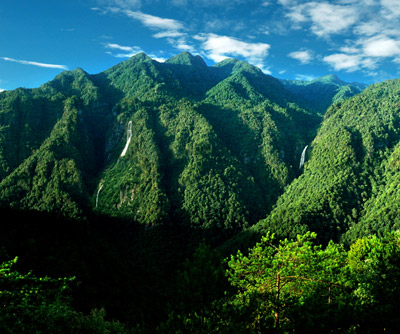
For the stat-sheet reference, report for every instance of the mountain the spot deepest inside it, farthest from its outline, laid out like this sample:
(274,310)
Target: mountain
(319,94)
(52,144)
(208,147)
(211,148)
(179,197)
(350,182)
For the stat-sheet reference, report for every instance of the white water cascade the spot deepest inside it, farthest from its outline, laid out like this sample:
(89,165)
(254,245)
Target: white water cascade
(98,192)
(303,157)
(128,139)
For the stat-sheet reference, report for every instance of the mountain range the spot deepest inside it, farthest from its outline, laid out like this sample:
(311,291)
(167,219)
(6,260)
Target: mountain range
(178,197)
(214,148)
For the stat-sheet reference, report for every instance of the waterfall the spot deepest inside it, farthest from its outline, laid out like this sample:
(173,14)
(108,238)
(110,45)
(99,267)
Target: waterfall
(98,192)
(303,157)
(128,139)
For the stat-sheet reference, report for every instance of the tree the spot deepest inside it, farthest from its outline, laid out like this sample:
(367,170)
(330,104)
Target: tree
(31,304)
(290,284)
(375,268)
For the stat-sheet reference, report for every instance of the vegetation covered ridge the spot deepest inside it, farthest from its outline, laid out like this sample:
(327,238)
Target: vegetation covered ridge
(178,197)
(211,147)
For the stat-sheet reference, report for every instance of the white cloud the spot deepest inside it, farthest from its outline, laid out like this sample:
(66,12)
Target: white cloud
(155,22)
(265,69)
(305,77)
(365,54)
(168,34)
(170,29)
(326,18)
(122,48)
(341,61)
(2,90)
(159,59)
(34,63)
(219,47)
(382,46)
(368,28)
(304,56)
(350,49)
(331,19)
(296,14)
(391,9)
(181,44)
(128,51)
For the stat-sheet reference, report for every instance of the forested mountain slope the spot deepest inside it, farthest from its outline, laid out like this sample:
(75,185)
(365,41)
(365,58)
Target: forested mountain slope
(178,197)
(208,147)
(350,184)
(318,94)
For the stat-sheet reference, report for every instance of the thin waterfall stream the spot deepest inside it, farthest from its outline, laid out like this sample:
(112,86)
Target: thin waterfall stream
(128,139)
(303,157)
(98,192)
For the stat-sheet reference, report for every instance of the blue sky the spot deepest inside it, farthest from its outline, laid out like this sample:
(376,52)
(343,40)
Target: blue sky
(359,40)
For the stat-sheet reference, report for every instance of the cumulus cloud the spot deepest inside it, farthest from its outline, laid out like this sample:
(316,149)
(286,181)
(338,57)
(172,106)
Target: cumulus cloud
(342,61)
(304,57)
(382,46)
(331,19)
(365,53)
(351,62)
(34,63)
(219,47)
(325,18)
(369,30)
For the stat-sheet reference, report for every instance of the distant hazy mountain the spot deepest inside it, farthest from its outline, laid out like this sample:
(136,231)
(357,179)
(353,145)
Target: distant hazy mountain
(319,94)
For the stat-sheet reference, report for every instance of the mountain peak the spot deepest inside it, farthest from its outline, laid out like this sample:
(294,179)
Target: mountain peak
(231,66)
(186,58)
(330,78)
(140,56)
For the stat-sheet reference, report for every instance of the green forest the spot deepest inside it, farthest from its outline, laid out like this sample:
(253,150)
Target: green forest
(178,197)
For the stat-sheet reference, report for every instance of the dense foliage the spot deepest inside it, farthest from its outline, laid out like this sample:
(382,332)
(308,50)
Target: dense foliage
(42,305)
(295,286)
(122,278)
(170,198)
(210,148)
(348,188)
